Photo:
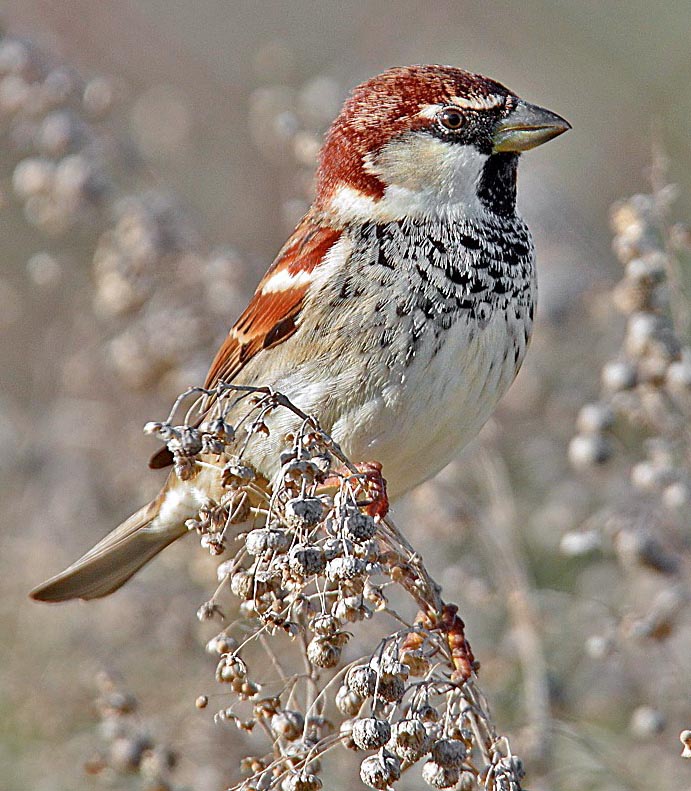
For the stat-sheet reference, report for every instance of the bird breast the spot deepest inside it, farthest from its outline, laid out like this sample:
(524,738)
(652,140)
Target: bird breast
(412,331)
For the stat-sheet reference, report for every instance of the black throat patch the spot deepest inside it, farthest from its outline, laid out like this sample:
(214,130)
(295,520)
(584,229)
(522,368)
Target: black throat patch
(497,186)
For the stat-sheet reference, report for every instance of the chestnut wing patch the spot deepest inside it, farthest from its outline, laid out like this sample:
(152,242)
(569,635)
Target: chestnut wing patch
(271,315)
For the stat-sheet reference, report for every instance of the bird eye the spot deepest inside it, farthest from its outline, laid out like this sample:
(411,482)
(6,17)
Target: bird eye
(451,118)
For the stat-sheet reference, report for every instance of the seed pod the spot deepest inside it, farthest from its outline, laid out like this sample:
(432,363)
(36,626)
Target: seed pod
(588,450)
(302,782)
(304,511)
(381,770)
(359,527)
(390,688)
(409,740)
(362,680)
(426,713)
(416,662)
(595,418)
(466,782)
(346,568)
(449,753)
(230,668)
(264,540)
(325,624)
(337,547)
(235,474)
(439,776)
(352,608)
(306,559)
(348,702)
(370,733)
(222,644)
(190,440)
(619,375)
(288,724)
(242,584)
(323,652)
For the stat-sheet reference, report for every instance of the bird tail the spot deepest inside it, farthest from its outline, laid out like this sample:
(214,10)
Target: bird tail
(116,558)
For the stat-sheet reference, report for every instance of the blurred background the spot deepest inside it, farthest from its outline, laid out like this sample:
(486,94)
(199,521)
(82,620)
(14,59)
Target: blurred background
(155,154)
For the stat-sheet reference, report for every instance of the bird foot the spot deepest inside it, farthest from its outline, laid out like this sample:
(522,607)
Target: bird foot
(368,481)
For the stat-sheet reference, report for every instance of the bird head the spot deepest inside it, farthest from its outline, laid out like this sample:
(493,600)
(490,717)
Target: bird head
(428,140)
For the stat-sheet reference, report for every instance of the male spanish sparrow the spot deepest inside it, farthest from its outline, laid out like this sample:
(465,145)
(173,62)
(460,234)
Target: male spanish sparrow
(398,312)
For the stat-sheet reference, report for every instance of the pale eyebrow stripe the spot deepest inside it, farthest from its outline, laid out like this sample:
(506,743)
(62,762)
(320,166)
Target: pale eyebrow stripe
(478,102)
(464,102)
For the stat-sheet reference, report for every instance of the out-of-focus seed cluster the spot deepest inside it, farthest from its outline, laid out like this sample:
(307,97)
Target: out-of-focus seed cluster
(162,298)
(130,748)
(310,565)
(51,116)
(648,384)
(644,414)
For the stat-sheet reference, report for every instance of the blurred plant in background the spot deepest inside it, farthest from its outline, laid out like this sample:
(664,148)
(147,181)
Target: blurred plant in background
(568,556)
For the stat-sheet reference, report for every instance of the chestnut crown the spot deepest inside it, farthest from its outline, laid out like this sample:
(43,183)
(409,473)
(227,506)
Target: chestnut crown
(447,104)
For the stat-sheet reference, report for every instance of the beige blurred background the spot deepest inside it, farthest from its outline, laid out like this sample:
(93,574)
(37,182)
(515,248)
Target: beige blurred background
(203,91)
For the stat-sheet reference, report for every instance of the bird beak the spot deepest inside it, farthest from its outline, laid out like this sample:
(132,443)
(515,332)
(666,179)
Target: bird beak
(527,126)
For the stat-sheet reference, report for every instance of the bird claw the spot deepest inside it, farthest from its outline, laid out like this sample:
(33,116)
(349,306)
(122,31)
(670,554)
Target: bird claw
(367,481)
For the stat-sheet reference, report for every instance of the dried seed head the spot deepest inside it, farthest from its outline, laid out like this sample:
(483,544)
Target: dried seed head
(325,624)
(588,450)
(303,512)
(685,739)
(323,652)
(242,585)
(426,713)
(370,733)
(466,782)
(222,644)
(337,547)
(348,702)
(235,474)
(595,418)
(619,375)
(352,608)
(265,540)
(125,754)
(306,560)
(346,568)
(647,722)
(302,781)
(390,688)
(416,662)
(362,680)
(449,753)
(359,527)
(288,724)
(439,776)
(381,770)
(409,740)
(190,440)
(230,668)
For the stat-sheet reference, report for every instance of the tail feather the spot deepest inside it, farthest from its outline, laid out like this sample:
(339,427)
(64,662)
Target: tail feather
(113,560)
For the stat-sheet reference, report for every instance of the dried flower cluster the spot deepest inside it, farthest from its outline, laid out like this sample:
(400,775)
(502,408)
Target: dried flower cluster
(648,384)
(130,747)
(644,411)
(312,566)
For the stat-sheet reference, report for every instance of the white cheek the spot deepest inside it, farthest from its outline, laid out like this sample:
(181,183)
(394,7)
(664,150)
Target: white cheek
(425,177)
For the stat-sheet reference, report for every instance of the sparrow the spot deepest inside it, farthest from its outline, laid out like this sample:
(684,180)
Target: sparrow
(397,313)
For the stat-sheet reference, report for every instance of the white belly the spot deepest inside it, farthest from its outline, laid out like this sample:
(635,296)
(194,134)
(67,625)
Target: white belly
(436,405)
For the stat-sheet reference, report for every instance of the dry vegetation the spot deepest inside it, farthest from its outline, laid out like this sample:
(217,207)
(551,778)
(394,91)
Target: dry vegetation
(568,555)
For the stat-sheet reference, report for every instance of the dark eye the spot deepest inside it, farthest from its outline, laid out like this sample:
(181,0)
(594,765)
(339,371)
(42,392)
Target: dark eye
(451,118)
